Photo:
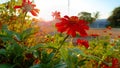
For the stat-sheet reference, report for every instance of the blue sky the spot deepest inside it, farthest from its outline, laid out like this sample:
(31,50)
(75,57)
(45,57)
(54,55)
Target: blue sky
(105,7)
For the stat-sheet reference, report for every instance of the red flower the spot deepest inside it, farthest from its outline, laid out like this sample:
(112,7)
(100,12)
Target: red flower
(28,6)
(83,42)
(115,63)
(94,35)
(110,33)
(71,25)
(105,31)
(37,61)
(29,55)
(109,27)
(56,14)
(119,36)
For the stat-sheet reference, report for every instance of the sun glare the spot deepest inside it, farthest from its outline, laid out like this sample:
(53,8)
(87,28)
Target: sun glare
(70,7)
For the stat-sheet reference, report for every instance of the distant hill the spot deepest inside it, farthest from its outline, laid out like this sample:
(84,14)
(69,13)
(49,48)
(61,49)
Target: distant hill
(99,23)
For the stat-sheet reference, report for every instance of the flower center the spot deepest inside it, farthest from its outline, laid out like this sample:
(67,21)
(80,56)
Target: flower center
(28,7)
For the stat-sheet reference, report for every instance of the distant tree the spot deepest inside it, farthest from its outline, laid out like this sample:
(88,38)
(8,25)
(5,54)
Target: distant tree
(96,15)
(114,19)
(88,16)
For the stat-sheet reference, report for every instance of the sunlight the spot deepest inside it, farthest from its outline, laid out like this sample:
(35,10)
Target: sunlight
(47,7)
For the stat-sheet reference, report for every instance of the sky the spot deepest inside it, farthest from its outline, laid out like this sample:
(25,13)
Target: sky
(105,7)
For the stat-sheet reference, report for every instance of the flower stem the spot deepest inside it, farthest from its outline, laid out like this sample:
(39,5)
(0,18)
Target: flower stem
(23,20)
(60,46)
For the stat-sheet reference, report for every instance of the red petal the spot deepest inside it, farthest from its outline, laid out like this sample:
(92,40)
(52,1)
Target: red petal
(66,17)
(71,32)
(36,10)
(115,63)
(83,42)
(83,33)
(23,1)
(86,44)
(59,24)
(28,1)
(64,21)
(17,7)
(61,27)
(33,5)
(33,13)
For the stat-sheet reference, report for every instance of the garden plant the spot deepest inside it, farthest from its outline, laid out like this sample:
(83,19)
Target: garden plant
(20,47)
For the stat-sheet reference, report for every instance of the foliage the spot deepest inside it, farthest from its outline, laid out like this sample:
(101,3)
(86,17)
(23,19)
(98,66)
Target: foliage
(13,51)
(88,16)
(20,47)
(115,18)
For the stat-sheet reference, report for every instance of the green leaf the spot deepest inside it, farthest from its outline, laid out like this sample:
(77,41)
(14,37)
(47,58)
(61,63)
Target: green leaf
(2,51)
(70,56)
(18,49)
(44,57)
(26,33)
(36,53)
(5,66)
(36,66)
(61,65)
(18,36)
(72,59)
(82,62)
(50,55)
(4,27)
(94,57)
(109,52)
(9,33)
(78,51)
(32,48)
(64,53)
(5,38)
